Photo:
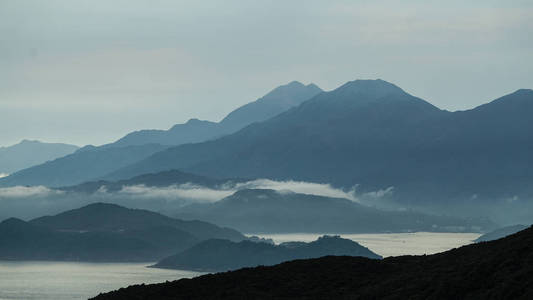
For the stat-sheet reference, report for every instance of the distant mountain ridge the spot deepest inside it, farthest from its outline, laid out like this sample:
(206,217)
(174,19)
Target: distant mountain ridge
(92,163)
(269,211)
(273,103)
(85,164)
(29,153)
(372,134)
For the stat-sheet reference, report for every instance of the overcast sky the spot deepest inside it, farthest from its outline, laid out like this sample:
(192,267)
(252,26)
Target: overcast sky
(88,72)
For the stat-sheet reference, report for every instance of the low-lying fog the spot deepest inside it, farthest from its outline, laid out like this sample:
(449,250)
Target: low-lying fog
(30,202)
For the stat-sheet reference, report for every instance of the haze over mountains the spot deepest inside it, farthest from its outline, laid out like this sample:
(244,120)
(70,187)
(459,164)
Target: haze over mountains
(87,163)
(367,134)
(269,211)
(275,102)
(90,163)
(29,153)
(372,134)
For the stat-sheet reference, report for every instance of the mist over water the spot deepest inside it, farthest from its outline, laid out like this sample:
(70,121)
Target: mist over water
(74,280)
(71,280)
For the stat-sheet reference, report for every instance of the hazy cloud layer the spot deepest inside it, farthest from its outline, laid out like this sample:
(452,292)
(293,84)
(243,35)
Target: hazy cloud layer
(176,192)
(29,202)
(195,193)
(299,187)
(25,192)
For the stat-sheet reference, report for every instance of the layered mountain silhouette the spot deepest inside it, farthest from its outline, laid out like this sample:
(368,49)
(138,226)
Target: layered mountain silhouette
(275,102)
(490,270)
(29,153)
(224,255)
(91,163)
(104,232)
(269,211)
(83,165)
(373,134)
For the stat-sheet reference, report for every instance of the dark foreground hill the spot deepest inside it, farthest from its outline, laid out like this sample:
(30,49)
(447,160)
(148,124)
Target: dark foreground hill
(263,210)
(104,232)
(223,255)
(500,269)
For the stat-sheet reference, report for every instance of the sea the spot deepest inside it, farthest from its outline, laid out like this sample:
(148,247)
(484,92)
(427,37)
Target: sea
(47,280)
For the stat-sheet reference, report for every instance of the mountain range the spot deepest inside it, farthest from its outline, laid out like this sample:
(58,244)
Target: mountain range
(30,153)
(269,211)
(92,163)
(498,269)
(85,164)
(366,133)
(372,134)
(273,103)
(104,232)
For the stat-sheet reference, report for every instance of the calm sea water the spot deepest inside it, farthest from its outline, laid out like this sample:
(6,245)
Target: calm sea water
(70,280)
(391,244)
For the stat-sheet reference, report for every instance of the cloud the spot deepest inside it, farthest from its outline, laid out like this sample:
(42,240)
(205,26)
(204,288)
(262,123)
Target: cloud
(196,193)
(302,187)
(380,193)
(174,192)
(24,191)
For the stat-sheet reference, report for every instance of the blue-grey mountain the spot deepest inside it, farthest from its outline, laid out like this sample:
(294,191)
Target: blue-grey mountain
(83,165)
(269,211)
(94,162)
(30,153)
(373,134)
(275,102)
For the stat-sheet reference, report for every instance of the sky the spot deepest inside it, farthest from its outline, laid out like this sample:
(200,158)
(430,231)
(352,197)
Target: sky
(88,72)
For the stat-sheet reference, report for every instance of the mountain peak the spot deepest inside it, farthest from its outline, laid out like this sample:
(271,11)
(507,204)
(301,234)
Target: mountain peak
(102,205)
(292,89)
(295,83)
(369,87)
(523,92)
(12,222)
(26,141)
